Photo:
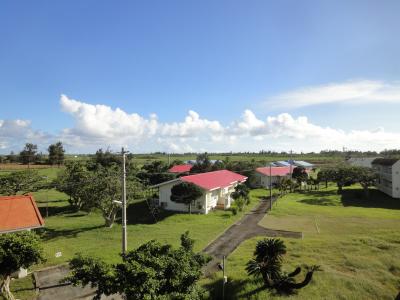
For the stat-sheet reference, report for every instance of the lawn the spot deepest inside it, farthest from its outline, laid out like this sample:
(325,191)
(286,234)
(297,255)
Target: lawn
(356,242)
(72,232)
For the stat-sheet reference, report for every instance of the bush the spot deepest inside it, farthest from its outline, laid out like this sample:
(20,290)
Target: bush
(234,210)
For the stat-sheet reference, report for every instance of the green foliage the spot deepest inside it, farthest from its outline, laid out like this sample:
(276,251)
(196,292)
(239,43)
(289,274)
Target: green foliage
(72,181)
(186,193)
(56,154)
(203,164)
(241,191)
(155,172)
(152,271)
(267,264)
(300,174)
(26,181)
(17,250)
(104,159)
(234,210)
(28,154)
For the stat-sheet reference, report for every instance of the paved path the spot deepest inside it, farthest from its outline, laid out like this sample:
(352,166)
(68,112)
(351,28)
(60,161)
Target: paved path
(247,227)
(48,283)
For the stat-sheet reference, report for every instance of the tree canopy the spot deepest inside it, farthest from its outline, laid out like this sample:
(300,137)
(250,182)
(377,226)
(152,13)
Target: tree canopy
(17,250)
(24,182)
(152,271)
(186,193)
(28,154)
(56,154)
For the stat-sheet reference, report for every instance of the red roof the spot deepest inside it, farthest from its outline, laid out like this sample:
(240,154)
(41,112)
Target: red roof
(214,180)
(276,171)
(19,213)
(181,168)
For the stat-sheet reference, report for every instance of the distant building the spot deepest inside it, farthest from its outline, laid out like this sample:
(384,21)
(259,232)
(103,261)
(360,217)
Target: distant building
(361,161)
(193,161)
(388,170)
(300,163)
(266,175)
(217,187)
(178,169)
(281,163)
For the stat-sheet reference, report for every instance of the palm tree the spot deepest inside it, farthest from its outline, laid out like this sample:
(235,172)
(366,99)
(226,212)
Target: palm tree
(267,264)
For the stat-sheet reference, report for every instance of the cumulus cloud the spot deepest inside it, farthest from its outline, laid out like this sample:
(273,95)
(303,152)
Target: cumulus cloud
(98,126)
(354,92)
(14,133)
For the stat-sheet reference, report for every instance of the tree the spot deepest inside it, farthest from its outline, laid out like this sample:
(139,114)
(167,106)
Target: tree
(325,175)
(28,155)
(186,193)
(267,264)
(155,173)
(103,158)
(203,164)
(344,176)
(26,181)
(56,154)
(366,177)
(300,175)
(17,250)
(12,157)
(241,196)
(72,181)
(152,271)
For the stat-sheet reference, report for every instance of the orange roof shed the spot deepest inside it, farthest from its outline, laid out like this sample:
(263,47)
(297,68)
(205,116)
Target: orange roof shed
(19,213)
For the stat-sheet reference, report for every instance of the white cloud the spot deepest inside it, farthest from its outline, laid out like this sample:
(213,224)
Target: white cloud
(14,133)
(100,126)
(191,127)
(354,92)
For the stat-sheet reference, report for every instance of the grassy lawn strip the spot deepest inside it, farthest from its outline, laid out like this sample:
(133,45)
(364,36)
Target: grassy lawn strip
(358,246)
(70,232)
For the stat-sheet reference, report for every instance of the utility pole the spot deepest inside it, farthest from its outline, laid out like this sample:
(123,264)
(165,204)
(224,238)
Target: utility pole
(290,162)
(224,278)
(270,186)
(124,235)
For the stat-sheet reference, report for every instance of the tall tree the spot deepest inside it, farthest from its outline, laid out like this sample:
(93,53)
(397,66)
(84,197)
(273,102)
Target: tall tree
(17,250)
(366,177)
(26,181)
(203,164)
(186,193)
(56,154)
(104,159)
(152,271)
(28,154)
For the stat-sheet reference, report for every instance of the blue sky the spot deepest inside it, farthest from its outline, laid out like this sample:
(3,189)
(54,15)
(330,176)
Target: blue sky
(219,59)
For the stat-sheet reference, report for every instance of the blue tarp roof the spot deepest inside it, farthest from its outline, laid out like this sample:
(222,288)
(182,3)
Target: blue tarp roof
(282,163)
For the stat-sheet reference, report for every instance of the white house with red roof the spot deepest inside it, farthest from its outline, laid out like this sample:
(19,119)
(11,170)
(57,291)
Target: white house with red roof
(217,187)
(178,169)
(271,175)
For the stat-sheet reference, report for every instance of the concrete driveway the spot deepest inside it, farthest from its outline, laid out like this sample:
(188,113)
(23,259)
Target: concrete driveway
(48,283)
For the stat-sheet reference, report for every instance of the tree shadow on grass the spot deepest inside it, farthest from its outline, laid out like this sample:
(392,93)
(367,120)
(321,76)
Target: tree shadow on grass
(233,289)
(319,201)
(376,199)
(139,213)
(55,210)
(47,234)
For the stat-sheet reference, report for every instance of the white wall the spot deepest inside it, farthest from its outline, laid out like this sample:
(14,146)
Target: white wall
(263,180)
(396,180)
(165,197)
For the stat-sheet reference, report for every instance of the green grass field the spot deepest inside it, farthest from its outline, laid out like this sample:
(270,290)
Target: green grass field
(356,242)
(70,232)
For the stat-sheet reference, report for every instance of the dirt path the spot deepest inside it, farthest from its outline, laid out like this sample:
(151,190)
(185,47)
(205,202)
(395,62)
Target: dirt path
(247,227)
